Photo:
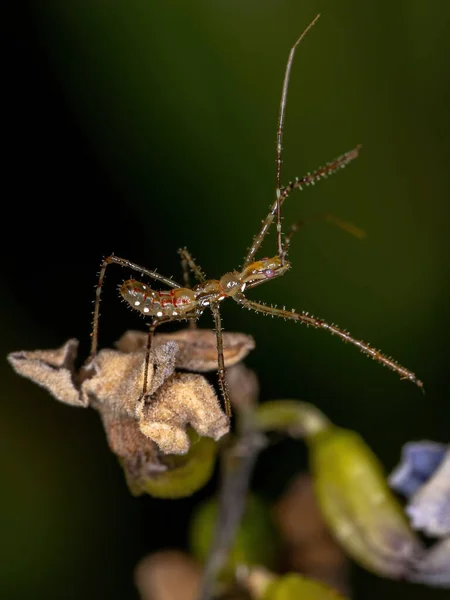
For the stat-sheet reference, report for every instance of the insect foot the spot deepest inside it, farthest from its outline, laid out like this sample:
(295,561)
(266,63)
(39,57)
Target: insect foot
(179,407)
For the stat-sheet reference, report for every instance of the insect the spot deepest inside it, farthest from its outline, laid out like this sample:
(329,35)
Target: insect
(184,302)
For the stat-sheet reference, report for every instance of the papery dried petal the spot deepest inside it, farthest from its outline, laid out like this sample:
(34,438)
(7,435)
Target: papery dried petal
(117,380)
(185,399)
(146,433)
(53,370)
(197,348)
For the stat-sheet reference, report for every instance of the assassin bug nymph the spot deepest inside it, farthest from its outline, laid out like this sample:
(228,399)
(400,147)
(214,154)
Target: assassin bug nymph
(183,302)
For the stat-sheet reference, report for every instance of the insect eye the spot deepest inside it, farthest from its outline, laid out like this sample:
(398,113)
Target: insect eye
(269,273)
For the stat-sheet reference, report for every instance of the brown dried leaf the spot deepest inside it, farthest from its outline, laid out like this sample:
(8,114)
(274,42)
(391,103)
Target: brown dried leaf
(168,575)
(197,347)
(54,370)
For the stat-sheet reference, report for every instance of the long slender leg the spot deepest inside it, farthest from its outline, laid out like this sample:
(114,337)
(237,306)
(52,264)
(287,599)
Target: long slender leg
(151,332)
(185,269)
(189,264)
(150,337)
(123,263)
(281,117)
(344,335)
(187,281)
(220,359)
(186,259)
(297,184)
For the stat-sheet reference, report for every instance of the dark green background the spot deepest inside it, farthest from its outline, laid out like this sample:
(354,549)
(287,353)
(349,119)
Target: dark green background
(139,127)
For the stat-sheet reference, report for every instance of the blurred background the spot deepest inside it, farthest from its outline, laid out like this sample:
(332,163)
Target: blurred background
(139,127)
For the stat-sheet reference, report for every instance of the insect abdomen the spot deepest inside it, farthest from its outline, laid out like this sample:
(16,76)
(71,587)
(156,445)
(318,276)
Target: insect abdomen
(140,297)
(170,303)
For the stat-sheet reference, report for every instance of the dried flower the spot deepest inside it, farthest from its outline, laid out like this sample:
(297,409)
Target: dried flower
(197,348)
(142,431)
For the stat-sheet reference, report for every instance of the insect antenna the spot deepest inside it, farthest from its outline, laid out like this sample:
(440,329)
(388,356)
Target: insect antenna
(280,128)
(282,192)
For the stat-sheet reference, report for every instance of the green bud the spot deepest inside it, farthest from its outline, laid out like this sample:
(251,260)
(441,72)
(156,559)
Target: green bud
(358,505)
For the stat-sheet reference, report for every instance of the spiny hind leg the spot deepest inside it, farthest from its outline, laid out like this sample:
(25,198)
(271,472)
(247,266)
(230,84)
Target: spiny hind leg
(334,330)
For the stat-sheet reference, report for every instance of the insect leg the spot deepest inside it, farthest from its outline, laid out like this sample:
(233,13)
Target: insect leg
(151,334)
(281,118)
(220,359)
(188,262)
(334,330)
(123,263)
(298,184)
